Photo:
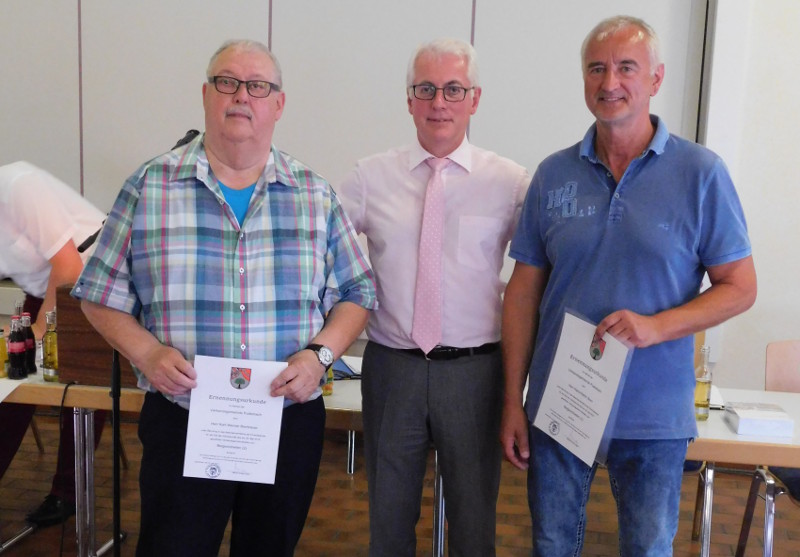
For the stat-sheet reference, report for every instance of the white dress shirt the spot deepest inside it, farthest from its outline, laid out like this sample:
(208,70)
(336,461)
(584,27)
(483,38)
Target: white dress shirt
(39,215)
(384,196)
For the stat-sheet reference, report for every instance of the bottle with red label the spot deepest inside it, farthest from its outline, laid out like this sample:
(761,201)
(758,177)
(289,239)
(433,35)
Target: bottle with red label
(3,354)
(30,343)
(16,351)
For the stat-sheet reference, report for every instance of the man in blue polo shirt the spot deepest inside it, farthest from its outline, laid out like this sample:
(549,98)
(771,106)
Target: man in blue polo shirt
(621,228)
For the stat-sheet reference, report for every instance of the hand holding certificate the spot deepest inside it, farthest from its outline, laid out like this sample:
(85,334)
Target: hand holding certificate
(234,423)
(581,389)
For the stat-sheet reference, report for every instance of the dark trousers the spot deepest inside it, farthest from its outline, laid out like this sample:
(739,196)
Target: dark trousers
(15,419)
(410,403)
(188,516)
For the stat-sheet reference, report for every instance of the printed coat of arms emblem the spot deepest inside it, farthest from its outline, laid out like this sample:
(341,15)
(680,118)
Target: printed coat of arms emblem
(240,377)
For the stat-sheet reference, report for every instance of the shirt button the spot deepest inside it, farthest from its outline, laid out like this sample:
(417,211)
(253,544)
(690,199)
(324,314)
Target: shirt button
(241,236)
(616,196)
(608,174)
(243,347)
(241,270)
(241,307)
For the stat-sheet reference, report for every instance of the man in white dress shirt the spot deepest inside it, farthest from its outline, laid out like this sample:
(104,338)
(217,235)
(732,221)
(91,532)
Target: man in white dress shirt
(45,222)
(447,394)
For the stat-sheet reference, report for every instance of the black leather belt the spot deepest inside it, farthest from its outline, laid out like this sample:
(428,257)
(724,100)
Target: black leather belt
(451,352)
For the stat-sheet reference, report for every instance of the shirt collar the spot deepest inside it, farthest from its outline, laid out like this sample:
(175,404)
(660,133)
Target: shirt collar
(194,162)
(462,155)
(657,144)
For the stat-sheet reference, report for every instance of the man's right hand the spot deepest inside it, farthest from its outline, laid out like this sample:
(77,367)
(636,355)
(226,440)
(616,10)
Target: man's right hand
(514,435)
(167,370)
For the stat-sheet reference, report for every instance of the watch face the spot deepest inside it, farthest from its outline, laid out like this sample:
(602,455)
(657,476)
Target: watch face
(325,356)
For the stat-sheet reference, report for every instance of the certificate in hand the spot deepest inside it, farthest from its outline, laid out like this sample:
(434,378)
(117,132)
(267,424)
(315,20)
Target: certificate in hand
(234,423)
(581,388)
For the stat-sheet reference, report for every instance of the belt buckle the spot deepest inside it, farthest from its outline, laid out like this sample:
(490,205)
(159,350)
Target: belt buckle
(444,353)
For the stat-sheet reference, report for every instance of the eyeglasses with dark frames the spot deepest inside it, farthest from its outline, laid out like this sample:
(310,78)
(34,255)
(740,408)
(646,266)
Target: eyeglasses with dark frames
(451,93)
(255,88)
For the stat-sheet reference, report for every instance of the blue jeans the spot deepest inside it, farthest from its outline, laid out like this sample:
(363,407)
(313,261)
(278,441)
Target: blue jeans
(645,478)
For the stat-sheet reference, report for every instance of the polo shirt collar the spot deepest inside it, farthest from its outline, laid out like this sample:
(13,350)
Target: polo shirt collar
(657,144)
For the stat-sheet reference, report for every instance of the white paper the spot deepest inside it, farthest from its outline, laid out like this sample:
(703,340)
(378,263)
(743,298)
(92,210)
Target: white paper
(353,362)
(581,388)
(234,423)
(716,402)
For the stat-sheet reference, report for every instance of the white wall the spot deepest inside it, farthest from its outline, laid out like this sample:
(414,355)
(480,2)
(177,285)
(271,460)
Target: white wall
(142,65)
(753,123)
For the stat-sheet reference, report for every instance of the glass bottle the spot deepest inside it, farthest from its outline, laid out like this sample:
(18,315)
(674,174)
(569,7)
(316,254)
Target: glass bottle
(30,343)
(3,354)
(327,387)
(50,349)
(16,351)
(702,389)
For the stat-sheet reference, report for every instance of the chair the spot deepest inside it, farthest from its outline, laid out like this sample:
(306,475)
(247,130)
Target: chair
(782,374)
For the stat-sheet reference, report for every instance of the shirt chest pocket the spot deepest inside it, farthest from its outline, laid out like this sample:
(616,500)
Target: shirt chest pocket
(481,241)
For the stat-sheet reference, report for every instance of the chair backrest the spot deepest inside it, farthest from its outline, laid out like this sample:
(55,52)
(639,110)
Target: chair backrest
(783,366)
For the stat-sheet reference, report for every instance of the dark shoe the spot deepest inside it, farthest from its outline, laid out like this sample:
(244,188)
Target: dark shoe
(53,510)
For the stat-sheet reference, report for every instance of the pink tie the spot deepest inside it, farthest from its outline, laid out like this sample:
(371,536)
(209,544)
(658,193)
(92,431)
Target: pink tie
(426,329)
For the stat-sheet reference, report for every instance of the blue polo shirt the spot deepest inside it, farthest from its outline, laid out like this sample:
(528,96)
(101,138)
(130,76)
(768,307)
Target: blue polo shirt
(641,245)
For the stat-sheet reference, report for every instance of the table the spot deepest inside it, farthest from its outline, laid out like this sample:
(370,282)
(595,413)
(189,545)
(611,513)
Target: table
(717,442)
(343,411)
(85,400)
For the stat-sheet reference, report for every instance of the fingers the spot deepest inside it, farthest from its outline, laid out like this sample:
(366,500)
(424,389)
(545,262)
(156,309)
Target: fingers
(168,371)
(299,380)
(514,437)
(516,451)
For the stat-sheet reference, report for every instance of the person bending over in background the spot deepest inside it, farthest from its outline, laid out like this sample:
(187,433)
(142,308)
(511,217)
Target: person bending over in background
(44,222)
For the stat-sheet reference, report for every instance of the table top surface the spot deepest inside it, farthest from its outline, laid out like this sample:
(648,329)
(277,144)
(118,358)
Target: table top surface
(346,396)
(718,442)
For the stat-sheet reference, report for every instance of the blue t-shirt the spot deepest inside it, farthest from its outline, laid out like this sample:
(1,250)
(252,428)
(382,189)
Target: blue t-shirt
(641,245)
(239,200)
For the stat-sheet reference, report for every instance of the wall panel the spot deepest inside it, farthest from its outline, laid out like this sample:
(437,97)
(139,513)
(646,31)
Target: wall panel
(344,67)
(532,102)
(39,96)
(144,66)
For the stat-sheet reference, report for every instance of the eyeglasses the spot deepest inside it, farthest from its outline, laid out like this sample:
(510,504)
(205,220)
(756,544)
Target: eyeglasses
(451,93)
(255,88)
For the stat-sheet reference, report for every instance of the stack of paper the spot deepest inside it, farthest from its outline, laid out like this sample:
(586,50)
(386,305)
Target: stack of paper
(759,418)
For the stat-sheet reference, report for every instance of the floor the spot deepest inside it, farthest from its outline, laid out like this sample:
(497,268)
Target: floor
(337,524)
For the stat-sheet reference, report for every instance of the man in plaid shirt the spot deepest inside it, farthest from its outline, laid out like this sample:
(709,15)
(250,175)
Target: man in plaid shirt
(228,247)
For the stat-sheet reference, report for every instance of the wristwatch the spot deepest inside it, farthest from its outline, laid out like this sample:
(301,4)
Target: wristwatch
(324,354)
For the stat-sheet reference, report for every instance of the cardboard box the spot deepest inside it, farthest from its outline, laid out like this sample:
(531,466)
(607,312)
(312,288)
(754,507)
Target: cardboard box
(83,355)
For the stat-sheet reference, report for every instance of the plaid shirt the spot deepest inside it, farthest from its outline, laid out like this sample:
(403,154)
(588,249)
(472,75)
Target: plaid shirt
(173,254)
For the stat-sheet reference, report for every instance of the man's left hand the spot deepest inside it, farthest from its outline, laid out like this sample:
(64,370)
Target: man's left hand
(631,329)
(299,381)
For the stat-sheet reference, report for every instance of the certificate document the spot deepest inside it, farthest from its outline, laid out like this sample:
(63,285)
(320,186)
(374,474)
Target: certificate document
(234,424)
(581,388)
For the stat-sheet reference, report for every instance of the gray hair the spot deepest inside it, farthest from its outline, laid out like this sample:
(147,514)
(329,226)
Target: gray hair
(248,46)
(612,25)
(441,47)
